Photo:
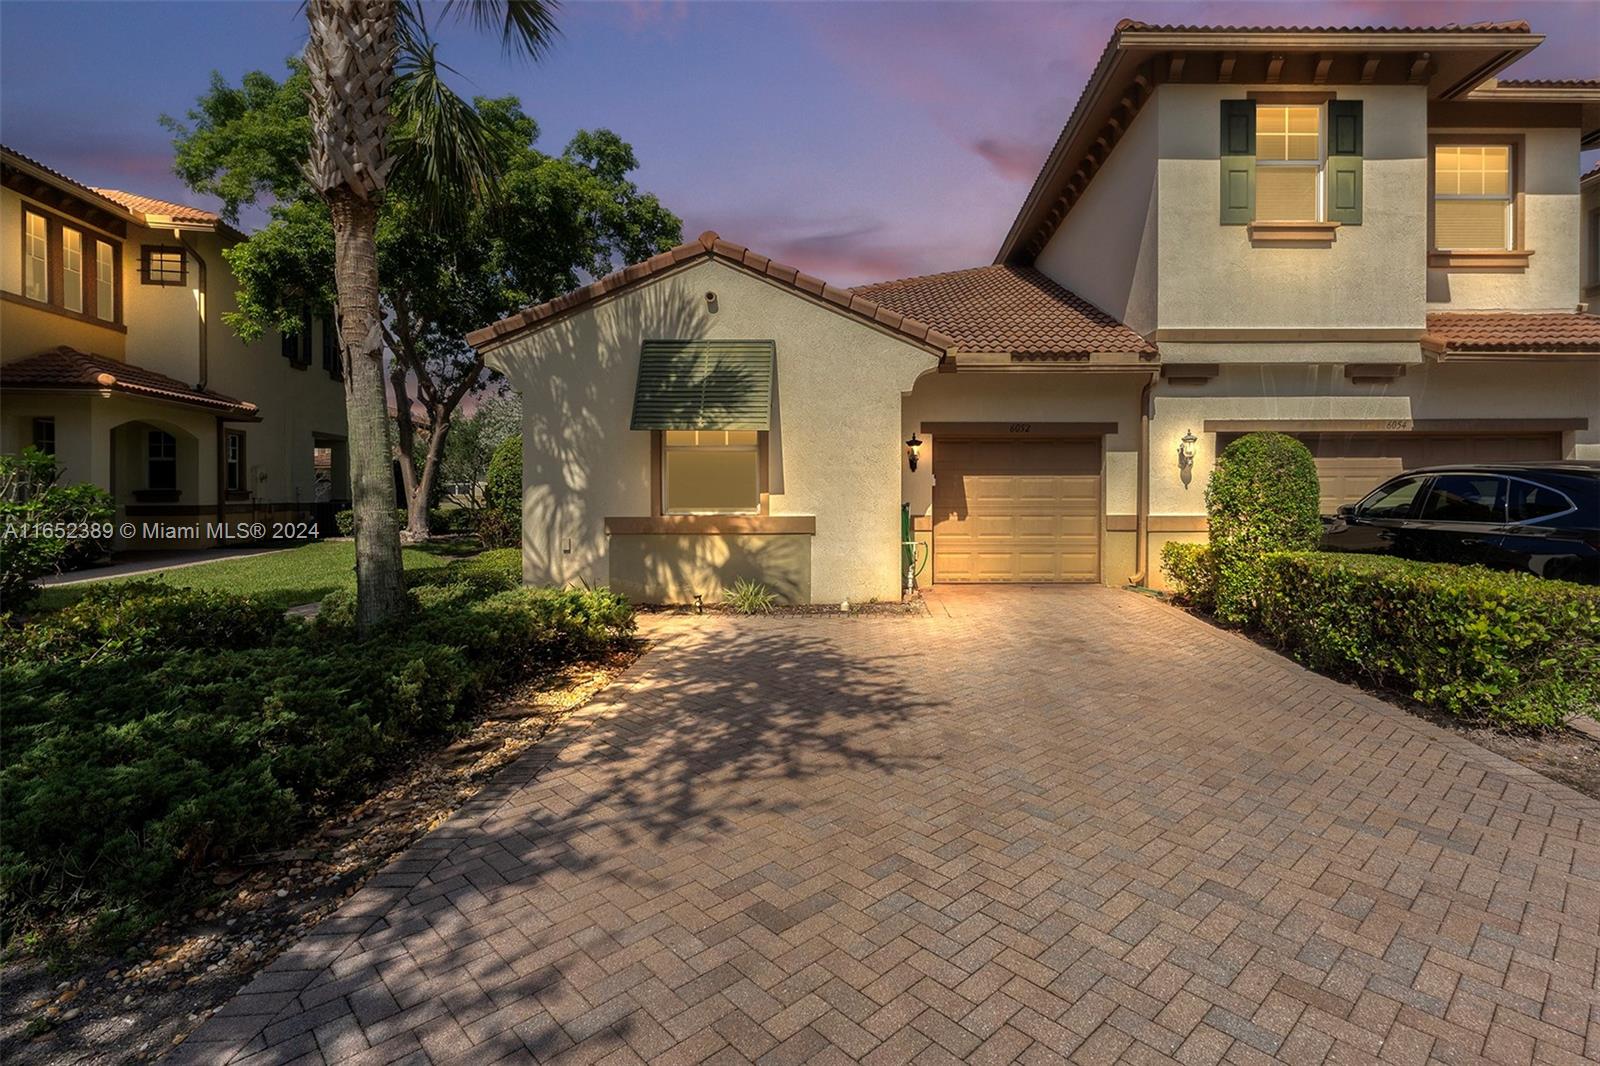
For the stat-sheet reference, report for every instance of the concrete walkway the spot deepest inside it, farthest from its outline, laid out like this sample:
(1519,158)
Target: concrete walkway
(1044,824)
(132,563)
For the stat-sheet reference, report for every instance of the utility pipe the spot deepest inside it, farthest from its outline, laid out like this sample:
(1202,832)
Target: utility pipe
(1141,508)
(200,306)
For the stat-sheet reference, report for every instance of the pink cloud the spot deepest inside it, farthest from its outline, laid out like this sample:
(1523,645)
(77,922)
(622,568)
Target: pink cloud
(1013,159)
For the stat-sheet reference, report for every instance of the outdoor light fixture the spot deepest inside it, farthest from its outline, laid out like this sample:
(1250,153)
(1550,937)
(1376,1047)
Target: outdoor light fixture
(1186,449)
(913,446)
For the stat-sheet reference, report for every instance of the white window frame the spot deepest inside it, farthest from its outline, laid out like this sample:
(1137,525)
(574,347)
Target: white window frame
(666,483)
(105,281)
(72,269)
(1509,199)
(36,258)
(1321,162)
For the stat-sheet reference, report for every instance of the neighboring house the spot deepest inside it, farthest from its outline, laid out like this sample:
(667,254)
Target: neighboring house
(1357,236)
(114,356)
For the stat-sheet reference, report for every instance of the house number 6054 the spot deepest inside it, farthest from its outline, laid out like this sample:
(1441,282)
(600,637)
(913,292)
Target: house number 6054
(1022,427)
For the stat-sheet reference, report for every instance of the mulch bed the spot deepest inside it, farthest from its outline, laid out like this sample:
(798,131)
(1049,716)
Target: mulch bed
(137,1006)
(1567,755)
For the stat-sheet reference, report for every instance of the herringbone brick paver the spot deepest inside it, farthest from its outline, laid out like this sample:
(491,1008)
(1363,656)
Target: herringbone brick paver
(1043,825)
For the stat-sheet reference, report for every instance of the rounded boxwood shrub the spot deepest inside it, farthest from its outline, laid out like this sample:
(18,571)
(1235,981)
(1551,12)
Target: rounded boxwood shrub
(1192,572)
(1262,498)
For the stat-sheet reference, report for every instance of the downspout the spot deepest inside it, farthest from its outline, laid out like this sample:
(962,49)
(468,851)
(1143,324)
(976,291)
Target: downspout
(200,307)
(1141,509)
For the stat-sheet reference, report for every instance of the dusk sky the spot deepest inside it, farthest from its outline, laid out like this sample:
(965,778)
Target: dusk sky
(859,141)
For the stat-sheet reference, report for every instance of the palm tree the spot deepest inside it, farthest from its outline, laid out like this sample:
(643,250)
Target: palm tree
(362,56)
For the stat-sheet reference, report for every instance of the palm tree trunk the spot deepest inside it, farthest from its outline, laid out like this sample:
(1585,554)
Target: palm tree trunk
(380,581)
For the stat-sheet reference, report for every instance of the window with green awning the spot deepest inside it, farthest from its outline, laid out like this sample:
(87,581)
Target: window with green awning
(704,384)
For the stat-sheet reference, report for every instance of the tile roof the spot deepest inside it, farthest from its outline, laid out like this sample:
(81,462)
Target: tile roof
(67,368)
(164,209)
(711,246)
(1009,309)
(1513,26)
(1494,332)
(1550,83)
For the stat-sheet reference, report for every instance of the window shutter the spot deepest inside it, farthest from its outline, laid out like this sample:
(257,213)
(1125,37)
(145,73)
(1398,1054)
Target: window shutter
(1344,162)
(1238,162)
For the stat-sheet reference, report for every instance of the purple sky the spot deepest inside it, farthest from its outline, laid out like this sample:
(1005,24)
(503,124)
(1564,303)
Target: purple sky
(859,141)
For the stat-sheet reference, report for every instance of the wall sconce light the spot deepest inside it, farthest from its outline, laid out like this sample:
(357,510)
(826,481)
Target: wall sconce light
(913,446)
(1186,449)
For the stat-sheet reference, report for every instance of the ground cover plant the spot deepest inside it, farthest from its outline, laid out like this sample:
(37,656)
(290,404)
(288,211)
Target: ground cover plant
(152,730)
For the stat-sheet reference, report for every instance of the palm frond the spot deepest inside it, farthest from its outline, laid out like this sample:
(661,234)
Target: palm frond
(526,27)
(444,155)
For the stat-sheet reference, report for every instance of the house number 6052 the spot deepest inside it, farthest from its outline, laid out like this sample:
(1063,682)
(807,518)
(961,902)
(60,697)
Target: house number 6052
(1022,427)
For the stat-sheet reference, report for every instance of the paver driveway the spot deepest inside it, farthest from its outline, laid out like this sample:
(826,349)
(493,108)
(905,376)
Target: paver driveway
(1040,824)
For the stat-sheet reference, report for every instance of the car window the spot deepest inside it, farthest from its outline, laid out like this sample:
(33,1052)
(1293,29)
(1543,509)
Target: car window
(1466,498)
(1529,501)
(1393,500)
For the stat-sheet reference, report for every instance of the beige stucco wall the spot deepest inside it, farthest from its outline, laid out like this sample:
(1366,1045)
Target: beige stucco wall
(1105,249)
(1551,217)
(1431,391)
(835,449)
(1373,275)
(671,568)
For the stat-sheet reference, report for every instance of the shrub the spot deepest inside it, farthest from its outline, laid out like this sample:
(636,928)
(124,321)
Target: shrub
(37,514)
(217,729)
(345,520)
(1191,570)
(750,597)
(439,520)
(1511,647)
(500,521)
(1262,497)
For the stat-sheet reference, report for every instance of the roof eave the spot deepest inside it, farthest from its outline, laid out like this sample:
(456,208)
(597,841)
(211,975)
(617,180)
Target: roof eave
(72,188)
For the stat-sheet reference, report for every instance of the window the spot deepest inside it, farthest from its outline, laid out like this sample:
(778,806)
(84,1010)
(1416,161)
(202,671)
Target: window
(161,264)
(296,347)
(105,282)
(44,435)
(1472,197)
(1529,502)
(330,347)
(1394,500)
(1466,498)
(1288,162)
(161,470)
(710,471)
(233,460)
(35,258)
(72,270)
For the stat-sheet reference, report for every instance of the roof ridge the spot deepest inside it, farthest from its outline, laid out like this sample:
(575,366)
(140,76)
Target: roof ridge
(937,274)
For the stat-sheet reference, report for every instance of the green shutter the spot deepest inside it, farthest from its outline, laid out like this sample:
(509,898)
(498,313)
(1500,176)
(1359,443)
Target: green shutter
(1238,162)
(704,385)
(1344,162)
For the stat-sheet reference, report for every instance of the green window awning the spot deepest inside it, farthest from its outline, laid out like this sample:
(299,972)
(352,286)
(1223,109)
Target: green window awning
(704,385)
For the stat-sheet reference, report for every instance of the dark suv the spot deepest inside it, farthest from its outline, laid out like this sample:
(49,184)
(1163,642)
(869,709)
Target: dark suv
(1543,518)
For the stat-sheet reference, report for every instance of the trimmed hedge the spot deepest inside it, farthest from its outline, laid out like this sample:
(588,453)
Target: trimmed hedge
(217,728)
(1191,570)
(440,520)
(1262,497)
(1513,648)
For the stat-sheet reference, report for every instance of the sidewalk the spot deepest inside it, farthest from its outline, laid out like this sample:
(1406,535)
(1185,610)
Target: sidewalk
(149,562)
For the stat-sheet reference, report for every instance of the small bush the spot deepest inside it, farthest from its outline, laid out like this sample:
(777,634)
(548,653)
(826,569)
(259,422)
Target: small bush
(750,597)
(1510,647)
(1192,572)
(500,521)
(1262,498)
(346,522)
(149,731)
(36,514)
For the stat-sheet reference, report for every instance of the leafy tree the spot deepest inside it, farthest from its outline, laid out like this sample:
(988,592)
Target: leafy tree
(472,442)
(544,223)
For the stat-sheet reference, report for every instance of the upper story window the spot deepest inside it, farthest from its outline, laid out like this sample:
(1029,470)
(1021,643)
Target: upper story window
(296,347)
(715,471)
(105,281)
(1472,197)
(161,264)
(233,460)
(72,269)
(1289,155)
(44,435)
(35,258)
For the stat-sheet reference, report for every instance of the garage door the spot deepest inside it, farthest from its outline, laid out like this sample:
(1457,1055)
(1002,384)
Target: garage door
(1016,510)
(1350,465)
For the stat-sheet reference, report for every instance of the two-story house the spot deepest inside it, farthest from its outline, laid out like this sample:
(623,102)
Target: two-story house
(1362,237)
(114,356)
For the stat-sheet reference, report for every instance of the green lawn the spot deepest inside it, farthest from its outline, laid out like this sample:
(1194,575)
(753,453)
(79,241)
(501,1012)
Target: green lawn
(286,578)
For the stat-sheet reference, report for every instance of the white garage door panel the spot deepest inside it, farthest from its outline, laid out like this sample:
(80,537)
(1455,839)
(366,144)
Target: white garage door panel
(1016,510)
